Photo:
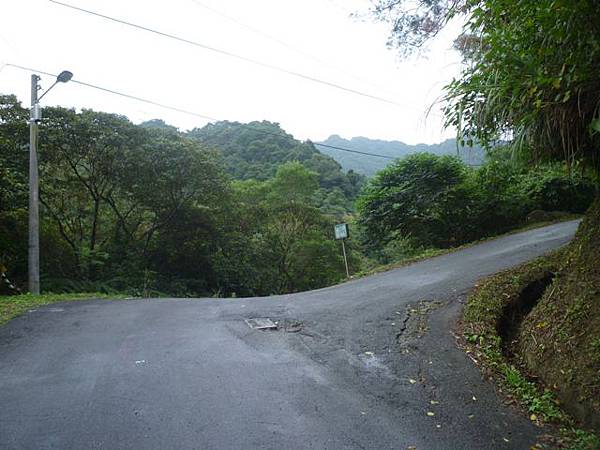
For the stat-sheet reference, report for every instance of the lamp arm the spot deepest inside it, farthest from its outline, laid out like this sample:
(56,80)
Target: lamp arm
(47,90)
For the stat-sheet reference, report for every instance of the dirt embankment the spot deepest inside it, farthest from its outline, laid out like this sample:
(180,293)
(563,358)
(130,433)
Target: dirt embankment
(535,329)
(559,340)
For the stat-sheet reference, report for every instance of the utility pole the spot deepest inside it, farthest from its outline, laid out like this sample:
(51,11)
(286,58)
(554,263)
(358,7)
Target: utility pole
(34,208)
(33,257)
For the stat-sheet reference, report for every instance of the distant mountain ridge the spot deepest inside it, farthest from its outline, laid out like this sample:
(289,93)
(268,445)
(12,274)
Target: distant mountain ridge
(369,165)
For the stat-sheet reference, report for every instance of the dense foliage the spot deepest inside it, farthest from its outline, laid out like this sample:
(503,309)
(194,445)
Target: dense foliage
(534,77)
(147,208)
(426,200)
(279,242)
(408,199)
(530,75)
(254,151)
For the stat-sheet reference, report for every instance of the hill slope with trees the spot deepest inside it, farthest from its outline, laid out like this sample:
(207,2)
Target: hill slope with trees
(256,150)
(146,209)
(369,165)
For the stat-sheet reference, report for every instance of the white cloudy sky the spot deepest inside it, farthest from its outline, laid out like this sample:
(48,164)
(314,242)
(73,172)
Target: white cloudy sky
(340,49)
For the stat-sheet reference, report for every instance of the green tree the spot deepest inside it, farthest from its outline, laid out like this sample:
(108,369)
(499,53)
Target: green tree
(288,245)
(533,78)
(79,156)
(530,75)
(13,187)
(409,199)
(256,151)
(293,183)
(113,194)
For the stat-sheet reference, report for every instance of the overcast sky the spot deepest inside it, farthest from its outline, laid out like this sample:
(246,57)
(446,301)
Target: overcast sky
(321,40)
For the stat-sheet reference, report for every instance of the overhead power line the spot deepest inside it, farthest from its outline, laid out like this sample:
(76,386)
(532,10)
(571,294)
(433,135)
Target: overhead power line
(231,54)
(285,44)
(191,113)
(344,149)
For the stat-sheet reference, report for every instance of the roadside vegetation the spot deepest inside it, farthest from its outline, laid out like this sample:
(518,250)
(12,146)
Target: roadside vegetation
(12,306)
(424,203)
(530,81)
(148,209)
(241,209)
(247,210)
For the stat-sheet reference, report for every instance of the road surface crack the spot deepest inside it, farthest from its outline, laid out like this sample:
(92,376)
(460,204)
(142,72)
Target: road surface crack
(414,324)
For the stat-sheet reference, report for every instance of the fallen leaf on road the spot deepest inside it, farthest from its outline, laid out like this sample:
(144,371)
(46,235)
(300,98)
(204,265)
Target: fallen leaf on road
(412,381)
(430,413)
(369,353)
(474,398)
(506,440)
(434,402)
(533,417)
(470,416)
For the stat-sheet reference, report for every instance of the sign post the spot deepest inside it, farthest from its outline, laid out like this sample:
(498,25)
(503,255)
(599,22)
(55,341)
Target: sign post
(341,233)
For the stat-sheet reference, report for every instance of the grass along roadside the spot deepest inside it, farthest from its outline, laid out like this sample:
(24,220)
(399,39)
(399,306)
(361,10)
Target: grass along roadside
(14,305)
(481,339)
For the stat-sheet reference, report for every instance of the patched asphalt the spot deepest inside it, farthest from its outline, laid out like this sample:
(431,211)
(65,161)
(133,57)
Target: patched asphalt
(369,364)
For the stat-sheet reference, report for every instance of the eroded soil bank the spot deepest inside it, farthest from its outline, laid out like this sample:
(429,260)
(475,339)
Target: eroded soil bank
(559,340)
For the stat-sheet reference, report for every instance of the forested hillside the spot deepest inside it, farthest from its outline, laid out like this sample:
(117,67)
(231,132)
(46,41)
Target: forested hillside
(368,165)
(255,151)
(148,209)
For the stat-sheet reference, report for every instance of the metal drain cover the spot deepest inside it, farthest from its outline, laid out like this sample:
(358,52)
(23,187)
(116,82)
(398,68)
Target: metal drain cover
(261,323)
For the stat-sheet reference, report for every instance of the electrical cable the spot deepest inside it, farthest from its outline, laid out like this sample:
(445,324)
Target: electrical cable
(231,54)
(192,113)
(288,45)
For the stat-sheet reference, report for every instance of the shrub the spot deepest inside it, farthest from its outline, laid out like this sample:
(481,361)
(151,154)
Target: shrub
(549,188)
(411,198)
(426,201)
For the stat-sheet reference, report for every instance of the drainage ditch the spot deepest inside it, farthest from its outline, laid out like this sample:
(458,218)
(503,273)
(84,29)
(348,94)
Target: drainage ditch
(515,312)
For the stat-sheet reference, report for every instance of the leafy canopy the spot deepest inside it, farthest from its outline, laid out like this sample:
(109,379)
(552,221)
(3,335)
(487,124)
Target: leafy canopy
(533,77)
(406,197)
(531,73)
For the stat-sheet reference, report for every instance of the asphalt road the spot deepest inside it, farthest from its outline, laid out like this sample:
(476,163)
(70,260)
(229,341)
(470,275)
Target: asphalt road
(373,360)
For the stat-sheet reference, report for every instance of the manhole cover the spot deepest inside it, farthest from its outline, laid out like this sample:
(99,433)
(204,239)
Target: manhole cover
(261,323)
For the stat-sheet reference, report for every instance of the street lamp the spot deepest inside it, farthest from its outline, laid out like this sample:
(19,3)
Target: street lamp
(34,207)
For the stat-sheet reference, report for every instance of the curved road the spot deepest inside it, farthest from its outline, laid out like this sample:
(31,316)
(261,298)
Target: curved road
(369,364)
